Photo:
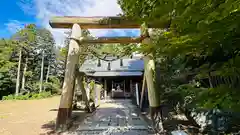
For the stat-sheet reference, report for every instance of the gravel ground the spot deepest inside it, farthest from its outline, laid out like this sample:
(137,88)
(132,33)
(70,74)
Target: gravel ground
(28,117)
(34,117)
(113,117)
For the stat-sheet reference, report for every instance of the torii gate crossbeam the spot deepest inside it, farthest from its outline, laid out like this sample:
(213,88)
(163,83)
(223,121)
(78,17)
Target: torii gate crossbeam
(101,22)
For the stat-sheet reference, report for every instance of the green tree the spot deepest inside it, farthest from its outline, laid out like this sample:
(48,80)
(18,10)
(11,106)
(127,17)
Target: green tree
(45,45)
(193,34)
(6,65)
(25,39)
(197,49)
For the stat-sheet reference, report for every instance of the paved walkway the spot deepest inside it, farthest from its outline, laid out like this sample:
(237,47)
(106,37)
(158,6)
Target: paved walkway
(114,117)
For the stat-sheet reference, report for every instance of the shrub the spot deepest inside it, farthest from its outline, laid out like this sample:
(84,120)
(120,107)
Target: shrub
(190,96)
(53,85)
(9,97)
(44,95)
(28,96)
(22,97)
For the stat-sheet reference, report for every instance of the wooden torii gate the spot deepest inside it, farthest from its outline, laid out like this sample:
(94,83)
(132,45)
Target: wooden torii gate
(75,49)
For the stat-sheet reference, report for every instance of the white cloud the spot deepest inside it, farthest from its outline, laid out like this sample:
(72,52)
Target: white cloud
(13,25)
(44,9)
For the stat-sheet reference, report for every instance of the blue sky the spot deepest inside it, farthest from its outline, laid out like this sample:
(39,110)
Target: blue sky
(16,13)
(10,12)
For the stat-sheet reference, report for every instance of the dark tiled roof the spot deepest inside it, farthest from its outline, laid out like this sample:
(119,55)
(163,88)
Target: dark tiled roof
(114,73)
(129,65)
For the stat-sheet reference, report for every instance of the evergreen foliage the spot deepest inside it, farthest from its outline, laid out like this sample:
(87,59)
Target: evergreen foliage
(32,42)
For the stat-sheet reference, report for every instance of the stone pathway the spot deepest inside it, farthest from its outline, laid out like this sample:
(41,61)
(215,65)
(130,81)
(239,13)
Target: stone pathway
(114,117)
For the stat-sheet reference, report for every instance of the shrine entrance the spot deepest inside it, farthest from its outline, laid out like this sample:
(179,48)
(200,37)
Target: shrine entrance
(118,88)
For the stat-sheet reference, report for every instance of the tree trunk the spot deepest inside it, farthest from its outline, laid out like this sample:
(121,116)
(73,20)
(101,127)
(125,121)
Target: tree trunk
(67,90)
(210,80)
(24,73)
(18,72)
(41,77)
(229,81)
(48,72)
(217,81)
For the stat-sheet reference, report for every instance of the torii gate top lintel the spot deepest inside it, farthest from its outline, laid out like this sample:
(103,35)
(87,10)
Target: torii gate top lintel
(107,22)
(99,22)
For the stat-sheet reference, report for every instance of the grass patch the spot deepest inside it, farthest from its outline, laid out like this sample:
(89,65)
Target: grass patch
(28,96)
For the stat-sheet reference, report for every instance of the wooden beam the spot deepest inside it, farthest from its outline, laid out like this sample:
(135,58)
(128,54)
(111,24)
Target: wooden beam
(121,40)
(131,87)
(142,93)
(100,23)
(137,94)
(105,89)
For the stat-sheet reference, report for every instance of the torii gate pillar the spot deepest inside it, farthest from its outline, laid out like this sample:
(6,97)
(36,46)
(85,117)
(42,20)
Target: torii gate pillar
(64,111)
(149,71)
